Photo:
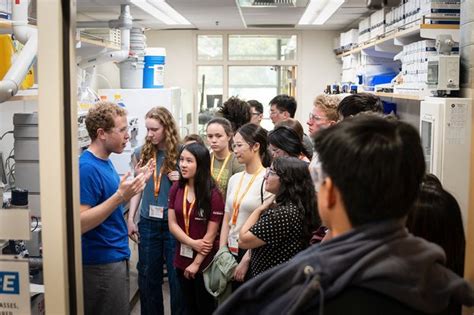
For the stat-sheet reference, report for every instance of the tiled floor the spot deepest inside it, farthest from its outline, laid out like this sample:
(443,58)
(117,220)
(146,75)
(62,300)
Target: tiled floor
(166,298)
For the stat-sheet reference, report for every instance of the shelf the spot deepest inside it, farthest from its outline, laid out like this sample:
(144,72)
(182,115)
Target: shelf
(5,24)
(25,95)
(87,47)
(403,37)
(400,96)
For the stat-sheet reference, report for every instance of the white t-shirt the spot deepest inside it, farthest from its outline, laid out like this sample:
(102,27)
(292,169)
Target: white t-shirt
(251,201)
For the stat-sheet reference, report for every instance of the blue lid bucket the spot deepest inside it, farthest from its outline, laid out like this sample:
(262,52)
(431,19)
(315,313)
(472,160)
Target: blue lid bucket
(154,71)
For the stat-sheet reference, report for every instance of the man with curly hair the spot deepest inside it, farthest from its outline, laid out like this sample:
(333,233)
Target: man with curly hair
(105,251)
(323,114)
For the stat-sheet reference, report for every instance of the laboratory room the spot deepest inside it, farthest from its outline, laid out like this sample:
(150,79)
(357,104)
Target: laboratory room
(236,157)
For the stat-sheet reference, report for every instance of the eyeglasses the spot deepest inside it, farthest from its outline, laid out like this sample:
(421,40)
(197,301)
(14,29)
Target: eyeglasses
(269,171)
(256,114)
(316,117)
(239,145)
(317,174)
(275,112)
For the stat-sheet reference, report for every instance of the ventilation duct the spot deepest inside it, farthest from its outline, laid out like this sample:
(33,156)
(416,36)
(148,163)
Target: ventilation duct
(275,3)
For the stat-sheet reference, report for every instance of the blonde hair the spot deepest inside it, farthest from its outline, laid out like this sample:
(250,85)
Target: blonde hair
(171,138)
(328,104)
(102,115)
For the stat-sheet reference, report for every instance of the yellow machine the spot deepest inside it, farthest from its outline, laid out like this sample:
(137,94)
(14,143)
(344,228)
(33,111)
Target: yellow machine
(8,53)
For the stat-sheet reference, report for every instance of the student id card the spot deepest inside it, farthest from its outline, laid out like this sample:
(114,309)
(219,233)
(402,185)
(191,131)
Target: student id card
(156,212)
(186,251)
(233,244)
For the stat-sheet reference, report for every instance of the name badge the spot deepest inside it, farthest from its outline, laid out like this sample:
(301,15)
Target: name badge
(156,212)
(233,245)
(186,251)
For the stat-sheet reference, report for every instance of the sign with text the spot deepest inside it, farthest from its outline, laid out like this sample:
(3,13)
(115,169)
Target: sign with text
(14,286)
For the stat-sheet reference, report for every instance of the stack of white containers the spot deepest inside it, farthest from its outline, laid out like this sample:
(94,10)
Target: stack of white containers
(364,31)
(441,11)
(377,23)
(349,68)
(412,11)
(131,70)
(349,39)
(414,59)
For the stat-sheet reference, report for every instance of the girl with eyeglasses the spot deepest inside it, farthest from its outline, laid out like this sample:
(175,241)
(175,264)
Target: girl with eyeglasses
(224,164)
(195,214)
(245,192)
(281,227)
(155,242)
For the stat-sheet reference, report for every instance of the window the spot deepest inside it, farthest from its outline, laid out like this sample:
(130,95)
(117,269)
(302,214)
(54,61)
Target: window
(262,47)
(247,66)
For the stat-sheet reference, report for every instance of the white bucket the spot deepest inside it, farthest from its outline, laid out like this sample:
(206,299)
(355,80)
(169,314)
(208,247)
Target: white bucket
(131,74)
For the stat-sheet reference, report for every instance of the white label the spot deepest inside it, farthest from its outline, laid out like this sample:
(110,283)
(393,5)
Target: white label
(233,244)
(156,212)
(186,251)
(14,288)
(158,75)
(456,122)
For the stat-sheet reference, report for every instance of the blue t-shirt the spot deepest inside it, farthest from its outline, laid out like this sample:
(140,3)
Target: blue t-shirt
(148,196)
(108,242)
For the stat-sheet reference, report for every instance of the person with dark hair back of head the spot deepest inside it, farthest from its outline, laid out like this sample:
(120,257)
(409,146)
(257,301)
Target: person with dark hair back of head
(282,107)
(436,217)
(236,111)
(356,103)
(256,111)
(304,138)
(369,177)
(284,141)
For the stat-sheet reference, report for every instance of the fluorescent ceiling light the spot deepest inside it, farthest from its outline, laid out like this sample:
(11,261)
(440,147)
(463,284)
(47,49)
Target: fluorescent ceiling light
(161,11)
(318,12)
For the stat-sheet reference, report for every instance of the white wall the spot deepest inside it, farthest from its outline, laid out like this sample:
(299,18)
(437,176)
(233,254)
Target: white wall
(318,67)
(317,63)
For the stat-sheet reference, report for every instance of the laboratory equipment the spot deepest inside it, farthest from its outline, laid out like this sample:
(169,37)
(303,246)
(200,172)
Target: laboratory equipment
(445,128)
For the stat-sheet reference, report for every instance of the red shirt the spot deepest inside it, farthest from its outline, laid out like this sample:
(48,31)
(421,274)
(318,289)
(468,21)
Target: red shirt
(197,226)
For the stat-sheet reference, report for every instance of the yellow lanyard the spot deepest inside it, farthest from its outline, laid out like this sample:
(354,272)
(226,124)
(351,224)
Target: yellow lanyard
(186,212)
(157,178)
(238,201)
(222,167)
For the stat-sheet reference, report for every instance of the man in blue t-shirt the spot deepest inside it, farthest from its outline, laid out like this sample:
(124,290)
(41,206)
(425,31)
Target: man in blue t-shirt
(105,250)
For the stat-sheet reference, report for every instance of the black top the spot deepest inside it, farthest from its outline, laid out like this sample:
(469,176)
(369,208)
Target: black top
(282,230)
(355,300)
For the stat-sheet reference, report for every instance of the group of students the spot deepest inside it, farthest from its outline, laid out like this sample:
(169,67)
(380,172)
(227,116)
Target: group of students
(256,197)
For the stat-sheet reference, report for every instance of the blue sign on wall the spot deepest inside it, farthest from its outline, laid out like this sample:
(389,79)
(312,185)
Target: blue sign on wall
(9,282)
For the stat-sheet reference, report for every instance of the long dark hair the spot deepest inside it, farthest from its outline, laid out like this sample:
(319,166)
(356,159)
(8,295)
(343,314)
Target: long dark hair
(255,134)
(297,187)
(286,139)
(203,181)
(436,217)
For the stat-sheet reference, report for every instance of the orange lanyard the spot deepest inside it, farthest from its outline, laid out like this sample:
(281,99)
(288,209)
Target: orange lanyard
(222,167)
(238,201)
(186,212)
(157,178)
